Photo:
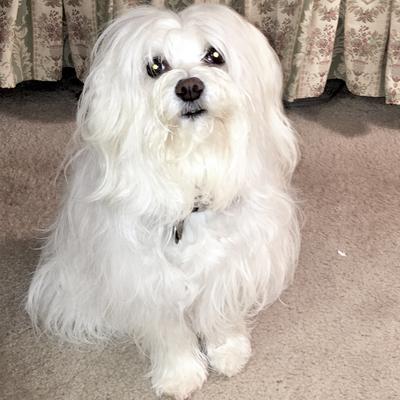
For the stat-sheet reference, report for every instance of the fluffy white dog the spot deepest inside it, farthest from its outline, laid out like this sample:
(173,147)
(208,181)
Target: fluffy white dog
(177,225)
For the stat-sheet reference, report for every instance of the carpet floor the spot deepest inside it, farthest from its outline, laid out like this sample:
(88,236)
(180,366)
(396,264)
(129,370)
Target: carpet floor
(336,333)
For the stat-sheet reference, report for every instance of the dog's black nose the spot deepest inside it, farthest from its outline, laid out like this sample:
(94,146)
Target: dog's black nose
(189,89)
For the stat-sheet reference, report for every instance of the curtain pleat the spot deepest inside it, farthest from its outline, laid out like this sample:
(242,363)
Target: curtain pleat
(354,40)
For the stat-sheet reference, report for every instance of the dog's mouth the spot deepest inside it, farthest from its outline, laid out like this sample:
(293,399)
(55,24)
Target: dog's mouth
(194,114)
(193,111)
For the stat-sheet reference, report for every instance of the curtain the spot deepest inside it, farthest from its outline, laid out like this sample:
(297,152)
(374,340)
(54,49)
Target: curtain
(354,40)
(367,49)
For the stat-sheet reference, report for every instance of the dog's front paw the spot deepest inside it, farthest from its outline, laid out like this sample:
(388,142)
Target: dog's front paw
(231,356)
(181,377)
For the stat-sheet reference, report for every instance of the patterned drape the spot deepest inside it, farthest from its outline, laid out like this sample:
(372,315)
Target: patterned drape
(354,40)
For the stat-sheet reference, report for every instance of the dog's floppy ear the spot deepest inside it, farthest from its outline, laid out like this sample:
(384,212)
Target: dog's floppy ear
(113,105)
(110,89)
(266,92)
(110,93)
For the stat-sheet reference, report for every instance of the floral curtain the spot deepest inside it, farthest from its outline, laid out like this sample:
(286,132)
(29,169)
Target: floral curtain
(354,40)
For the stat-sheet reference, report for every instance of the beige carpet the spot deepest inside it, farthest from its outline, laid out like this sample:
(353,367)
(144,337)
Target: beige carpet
(336,334)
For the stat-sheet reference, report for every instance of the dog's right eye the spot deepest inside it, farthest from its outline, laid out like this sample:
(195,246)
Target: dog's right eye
(157,67)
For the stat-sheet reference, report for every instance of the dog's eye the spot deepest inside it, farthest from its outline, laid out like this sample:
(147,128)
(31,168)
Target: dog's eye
(157,67)
(213,56)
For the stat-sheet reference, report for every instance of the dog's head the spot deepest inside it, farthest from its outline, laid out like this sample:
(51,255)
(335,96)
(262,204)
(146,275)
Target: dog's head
(190,103)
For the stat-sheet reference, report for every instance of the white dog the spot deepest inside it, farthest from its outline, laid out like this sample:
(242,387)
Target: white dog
(178,225)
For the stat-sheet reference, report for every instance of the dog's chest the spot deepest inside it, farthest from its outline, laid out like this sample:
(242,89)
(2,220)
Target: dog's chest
(200,247)
(186,252)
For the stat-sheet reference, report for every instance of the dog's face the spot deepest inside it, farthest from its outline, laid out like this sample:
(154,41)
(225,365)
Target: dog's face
(192,101)
(183,97)
(191,90)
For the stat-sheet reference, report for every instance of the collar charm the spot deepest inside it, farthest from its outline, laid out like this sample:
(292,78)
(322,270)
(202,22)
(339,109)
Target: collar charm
(177,229)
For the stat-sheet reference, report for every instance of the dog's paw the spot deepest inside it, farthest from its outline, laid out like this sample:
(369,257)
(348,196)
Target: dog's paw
(180,378)
(230,357)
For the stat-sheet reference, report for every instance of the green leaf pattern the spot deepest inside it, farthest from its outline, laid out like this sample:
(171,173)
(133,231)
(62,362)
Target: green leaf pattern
(354,40)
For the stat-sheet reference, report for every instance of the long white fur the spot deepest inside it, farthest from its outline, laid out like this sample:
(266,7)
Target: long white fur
(109,266)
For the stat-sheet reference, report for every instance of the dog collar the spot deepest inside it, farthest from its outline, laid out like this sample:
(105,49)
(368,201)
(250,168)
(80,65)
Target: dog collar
(177,228)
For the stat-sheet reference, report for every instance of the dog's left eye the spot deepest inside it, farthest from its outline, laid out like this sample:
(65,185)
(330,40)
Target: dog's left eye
(213,56)
(157,67)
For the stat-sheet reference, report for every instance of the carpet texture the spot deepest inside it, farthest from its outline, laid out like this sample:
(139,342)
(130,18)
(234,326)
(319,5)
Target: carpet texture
(336,333)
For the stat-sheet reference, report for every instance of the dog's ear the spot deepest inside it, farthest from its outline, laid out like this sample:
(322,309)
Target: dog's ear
(113,106)
(266,91)
(112,89)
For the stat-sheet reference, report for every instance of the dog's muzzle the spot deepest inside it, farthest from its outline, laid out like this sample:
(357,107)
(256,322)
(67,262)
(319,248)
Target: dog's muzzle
(189,91)
(192,110)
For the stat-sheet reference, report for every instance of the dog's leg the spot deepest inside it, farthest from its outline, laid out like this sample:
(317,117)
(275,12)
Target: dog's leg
(228,351)
(178,366)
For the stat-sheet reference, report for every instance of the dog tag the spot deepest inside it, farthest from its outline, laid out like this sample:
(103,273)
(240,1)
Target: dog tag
(177,229)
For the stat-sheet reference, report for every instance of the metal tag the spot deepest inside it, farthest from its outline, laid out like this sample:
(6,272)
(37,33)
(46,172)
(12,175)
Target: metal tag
(177,229)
